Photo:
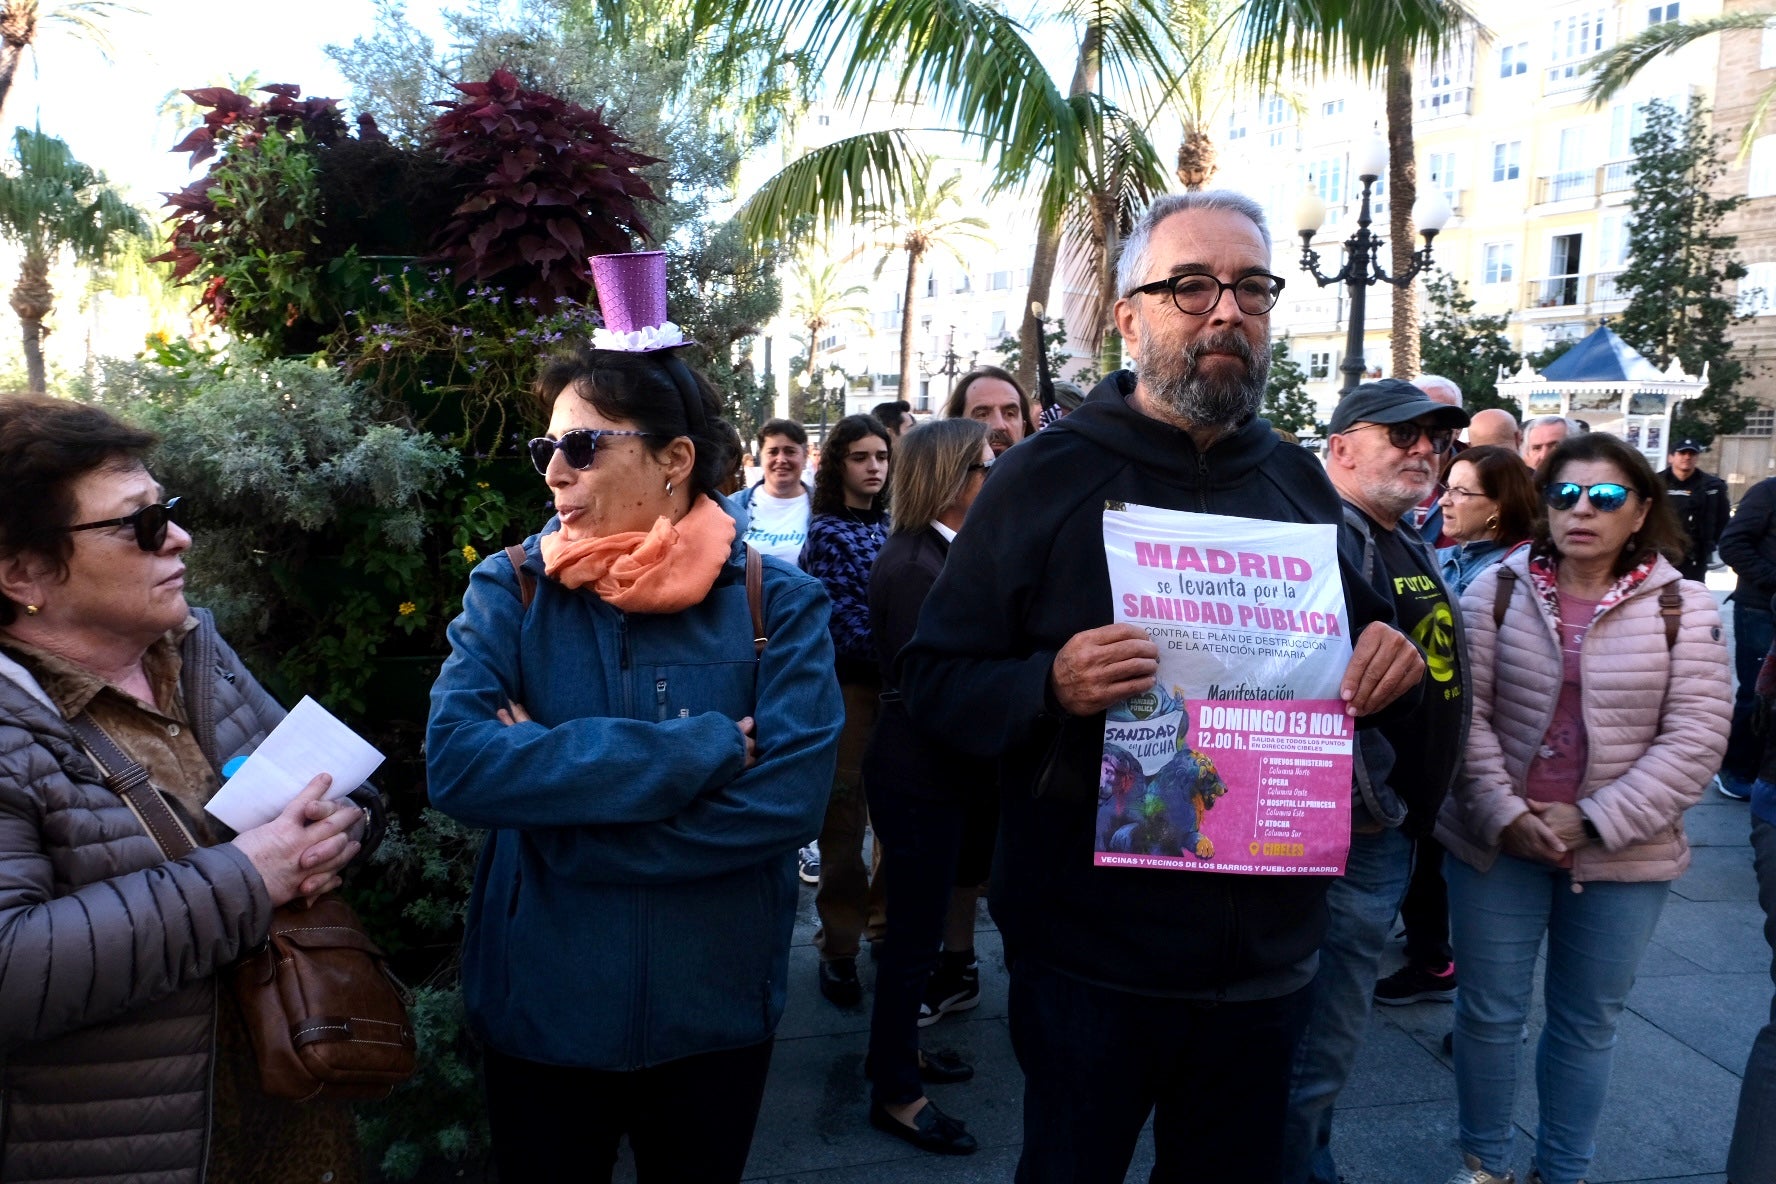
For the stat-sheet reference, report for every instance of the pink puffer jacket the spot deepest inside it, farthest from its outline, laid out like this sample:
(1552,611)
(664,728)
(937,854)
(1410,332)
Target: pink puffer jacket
(1657,720)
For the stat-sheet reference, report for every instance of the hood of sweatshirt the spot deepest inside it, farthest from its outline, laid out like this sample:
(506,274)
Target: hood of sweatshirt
(1107,418)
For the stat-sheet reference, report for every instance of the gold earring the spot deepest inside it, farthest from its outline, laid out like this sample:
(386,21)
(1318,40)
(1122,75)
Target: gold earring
(1492,523)
(30,610)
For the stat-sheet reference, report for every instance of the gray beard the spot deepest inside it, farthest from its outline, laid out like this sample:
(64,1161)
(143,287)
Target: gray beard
(1201,401)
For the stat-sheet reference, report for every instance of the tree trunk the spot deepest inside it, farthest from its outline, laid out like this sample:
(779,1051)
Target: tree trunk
(1048,235)
(32,300)
(18,26)
(1402,192)
(907,380)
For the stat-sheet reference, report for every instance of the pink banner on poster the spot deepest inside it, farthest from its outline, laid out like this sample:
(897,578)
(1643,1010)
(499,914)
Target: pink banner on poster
(1239,759)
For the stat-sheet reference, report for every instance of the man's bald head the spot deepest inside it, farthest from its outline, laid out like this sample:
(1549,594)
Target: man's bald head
(1494,426)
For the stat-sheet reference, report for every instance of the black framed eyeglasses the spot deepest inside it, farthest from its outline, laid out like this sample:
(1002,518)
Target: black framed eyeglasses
(1606,497)
(1195,294)
(577,447)
(150,524)
(1404,435)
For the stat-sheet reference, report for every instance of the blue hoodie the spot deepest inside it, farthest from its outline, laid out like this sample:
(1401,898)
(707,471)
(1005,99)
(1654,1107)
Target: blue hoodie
(634,900)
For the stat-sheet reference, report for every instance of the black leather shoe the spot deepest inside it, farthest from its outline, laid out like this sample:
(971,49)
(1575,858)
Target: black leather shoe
(838,982)
(943,1067)
(932,1130)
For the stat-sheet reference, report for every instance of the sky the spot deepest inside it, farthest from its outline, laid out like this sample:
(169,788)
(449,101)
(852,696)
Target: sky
(107,111)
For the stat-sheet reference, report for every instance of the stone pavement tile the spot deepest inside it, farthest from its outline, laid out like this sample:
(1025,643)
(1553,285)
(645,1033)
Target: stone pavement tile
(1721,936)
(1718,1015)
(1406,1144)
(1669,1110)
(1718,822)
(809,1014)
(987,1166)
(1660,960)
(1718,873)
(1394,1069)
(815,1112)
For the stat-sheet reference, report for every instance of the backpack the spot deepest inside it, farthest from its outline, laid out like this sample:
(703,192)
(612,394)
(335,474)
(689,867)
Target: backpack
(1670,604)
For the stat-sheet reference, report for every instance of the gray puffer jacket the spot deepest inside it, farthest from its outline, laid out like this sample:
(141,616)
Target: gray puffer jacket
(109,953)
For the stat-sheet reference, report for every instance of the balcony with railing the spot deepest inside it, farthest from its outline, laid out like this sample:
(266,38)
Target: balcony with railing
(1445,102)
(1563,295)
(1617,177)
(1567,186)
(1565,80)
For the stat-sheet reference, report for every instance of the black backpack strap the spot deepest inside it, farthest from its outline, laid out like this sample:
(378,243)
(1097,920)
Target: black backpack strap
(1501,599)
(129,781)
(527,585)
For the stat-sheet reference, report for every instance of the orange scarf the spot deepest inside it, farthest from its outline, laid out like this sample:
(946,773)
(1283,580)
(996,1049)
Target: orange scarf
(663,570)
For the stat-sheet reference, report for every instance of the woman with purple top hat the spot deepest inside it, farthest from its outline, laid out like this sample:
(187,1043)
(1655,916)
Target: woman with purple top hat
(642,713)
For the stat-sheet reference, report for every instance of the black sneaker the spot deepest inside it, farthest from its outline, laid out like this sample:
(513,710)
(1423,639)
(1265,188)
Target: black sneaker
(1415,984)
(950,990)
(839,982)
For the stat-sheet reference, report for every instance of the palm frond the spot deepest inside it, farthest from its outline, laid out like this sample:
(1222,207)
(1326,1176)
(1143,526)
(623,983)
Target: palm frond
(1329,36)
(832,183)
(1754,124)
(90,20)
(51,201)
(1615,67)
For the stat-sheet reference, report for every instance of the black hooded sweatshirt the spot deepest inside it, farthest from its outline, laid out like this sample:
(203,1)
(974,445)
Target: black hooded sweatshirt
(1028,572)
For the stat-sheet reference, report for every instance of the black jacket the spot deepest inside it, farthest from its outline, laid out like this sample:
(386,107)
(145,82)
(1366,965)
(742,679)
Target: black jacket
(903,758)
(1029,573)
(1749,545)
(1702,506)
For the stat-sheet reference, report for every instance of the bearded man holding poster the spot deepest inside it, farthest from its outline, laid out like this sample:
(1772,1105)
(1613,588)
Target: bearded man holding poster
(1171,984)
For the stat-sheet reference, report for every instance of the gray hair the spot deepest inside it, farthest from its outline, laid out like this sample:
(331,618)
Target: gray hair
(1573,426)
(1425,382)
(1133,263)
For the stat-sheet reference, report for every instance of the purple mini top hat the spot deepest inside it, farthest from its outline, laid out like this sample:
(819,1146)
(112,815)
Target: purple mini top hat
(632,298)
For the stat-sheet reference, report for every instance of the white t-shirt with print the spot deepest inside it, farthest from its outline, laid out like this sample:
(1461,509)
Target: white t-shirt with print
(779,524)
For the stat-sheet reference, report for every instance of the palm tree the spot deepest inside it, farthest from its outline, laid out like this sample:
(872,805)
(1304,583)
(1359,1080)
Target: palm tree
(923,225)
(1616,67)
(1206,28)
(51,203)
(819,303)
(19,21)
(978,67)
(1370,39)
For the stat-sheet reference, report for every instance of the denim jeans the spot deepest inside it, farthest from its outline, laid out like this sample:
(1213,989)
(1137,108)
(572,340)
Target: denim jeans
(1097,1062)
(1361,906)
(1753,629)
(1753,1154)
(1597,933)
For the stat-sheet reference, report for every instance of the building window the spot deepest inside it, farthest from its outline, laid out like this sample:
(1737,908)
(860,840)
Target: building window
(1319,364)
(1761,179)
(823,121)
(1761,422)
(999,281)
(1501,263)
(1661,14)
(1577,39)
(1757,291)
(1327,180)
(830,341)
(1335,107)
(931,283)
(1440,170)
(1278,116)
(1236,125)
(1514,60)
(1612,239)
(888,382)
(1507,161)
(995,326)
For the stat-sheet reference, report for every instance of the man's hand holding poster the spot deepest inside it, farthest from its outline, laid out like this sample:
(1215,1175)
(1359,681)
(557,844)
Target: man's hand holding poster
(1239,759)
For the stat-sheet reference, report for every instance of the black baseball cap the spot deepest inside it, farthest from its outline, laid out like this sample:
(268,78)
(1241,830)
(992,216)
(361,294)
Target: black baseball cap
(1687,446)
(1392,400)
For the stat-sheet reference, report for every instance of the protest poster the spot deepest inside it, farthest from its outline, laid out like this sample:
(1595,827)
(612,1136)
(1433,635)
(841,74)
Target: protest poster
(1239,759)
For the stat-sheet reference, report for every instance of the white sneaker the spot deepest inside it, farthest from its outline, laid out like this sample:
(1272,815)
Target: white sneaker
(808,863)
(1472,1173)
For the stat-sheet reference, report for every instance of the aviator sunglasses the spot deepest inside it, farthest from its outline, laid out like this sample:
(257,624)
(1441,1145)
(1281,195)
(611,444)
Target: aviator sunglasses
(1606,497)
(150,524)
(577,447)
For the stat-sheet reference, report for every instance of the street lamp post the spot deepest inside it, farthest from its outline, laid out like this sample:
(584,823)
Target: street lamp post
(952,363)
(1362,250)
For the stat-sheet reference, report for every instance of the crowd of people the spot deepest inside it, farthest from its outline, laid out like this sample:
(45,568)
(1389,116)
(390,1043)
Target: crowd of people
(683,690)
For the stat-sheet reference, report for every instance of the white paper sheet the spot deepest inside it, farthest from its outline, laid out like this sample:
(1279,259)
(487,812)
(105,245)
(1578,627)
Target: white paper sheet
(308,742)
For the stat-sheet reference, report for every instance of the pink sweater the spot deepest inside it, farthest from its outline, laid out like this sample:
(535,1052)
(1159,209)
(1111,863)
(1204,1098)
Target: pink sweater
(1657,720)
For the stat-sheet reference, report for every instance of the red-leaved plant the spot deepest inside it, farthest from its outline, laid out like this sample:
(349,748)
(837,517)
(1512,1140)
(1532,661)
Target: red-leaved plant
(551,183)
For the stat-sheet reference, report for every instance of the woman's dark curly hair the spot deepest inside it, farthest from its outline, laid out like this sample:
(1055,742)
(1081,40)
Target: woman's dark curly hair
(1660,534)
(829,478)
(46,445)
(655,391)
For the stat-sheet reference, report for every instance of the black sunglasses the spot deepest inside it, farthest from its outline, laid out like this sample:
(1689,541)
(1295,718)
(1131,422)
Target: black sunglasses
(150,524)
(1404,435)
(577,447)
(1195,294)
(1606,497)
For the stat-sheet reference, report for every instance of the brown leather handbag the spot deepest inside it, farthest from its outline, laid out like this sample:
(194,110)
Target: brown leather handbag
(326,1017)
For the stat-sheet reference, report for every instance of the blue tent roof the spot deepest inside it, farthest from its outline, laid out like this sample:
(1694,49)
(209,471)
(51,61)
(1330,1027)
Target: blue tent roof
(1601,357)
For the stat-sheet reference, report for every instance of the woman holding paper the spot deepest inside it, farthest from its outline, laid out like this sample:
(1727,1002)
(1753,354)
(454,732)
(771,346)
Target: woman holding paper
(118,1053)
(646,770)
(1601,711)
